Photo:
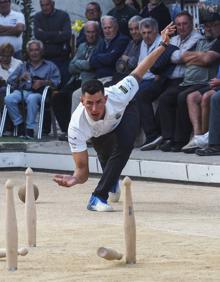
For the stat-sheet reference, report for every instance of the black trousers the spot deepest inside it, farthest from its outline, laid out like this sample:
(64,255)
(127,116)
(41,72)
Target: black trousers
(113,150)
(183,126)
(62,102)
(148,92)
(173,111)
(167,108)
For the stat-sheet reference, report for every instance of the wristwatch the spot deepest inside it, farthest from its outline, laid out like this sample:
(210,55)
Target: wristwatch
(162,43)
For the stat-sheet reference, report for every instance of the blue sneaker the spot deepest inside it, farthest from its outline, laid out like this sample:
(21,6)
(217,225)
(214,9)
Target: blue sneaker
(115,193)
(96,204)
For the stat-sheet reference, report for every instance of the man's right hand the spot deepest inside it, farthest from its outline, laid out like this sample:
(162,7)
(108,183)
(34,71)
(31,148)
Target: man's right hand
(65,180)
(215,82)
(25,76)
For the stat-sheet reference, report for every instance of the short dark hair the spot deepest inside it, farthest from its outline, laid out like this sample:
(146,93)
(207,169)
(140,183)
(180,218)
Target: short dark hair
(184,13)
(92,86)
(98,8)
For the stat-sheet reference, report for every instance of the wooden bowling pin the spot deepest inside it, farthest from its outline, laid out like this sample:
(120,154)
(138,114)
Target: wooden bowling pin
(108,254)
(30,209)
(11,228)
(129,223)
(21,252)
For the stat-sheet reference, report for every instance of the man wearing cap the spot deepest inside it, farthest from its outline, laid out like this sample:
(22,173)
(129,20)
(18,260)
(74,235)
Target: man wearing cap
(206,58)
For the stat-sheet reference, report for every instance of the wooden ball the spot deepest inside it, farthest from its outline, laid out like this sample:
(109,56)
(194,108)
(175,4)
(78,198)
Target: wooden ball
(22,193)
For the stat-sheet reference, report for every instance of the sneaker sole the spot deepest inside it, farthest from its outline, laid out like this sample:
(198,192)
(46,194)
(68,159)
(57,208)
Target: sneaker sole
(190,150)
(94,208)
(207,154)
(151,146)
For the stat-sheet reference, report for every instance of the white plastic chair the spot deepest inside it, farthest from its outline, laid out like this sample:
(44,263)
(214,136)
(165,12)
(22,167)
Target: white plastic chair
(4,113)
(41,115)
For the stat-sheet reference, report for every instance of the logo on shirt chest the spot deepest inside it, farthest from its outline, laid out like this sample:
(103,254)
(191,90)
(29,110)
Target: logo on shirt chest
(123,89)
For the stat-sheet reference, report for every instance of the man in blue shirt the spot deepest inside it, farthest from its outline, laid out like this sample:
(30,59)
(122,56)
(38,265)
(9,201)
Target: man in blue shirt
(28,82)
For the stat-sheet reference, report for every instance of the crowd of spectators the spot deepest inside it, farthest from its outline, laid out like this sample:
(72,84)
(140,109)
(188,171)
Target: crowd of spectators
(178,98)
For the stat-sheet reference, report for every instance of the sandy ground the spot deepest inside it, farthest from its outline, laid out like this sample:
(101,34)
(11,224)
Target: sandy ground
(178,234)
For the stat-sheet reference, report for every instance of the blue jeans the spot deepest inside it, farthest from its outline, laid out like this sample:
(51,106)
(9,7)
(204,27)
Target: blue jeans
(32,101)
(214,120)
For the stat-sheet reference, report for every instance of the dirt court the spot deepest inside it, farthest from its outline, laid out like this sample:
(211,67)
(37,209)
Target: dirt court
(178,234)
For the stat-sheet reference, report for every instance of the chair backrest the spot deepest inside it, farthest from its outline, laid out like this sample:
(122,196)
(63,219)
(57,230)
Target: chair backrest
(4,112)
(41,115)
(42,110)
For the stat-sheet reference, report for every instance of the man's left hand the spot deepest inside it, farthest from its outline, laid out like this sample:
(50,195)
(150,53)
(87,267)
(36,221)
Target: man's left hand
(167,32)
(38,84)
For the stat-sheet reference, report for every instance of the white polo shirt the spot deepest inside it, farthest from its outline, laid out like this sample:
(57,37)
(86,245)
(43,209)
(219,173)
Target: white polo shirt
(82,127)
(12,19)
(4,73)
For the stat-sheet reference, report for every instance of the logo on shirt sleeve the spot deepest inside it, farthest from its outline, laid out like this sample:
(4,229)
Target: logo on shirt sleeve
(123,89)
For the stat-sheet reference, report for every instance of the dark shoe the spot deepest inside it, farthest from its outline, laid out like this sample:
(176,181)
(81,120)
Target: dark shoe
(7,133)
(209,151)
(63,137)
(166,145)
(21,130)
(177,147)
(89,143)
(30,133)
(152,145)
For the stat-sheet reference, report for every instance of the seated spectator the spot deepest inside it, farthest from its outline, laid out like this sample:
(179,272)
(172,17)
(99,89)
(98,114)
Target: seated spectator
(81,71)
(109,49)
(12,25)
(158,10)
(204,63)
(53,28)
(7,65)
(213,148)
(105,55)
(122,12)
(28,82)
(185,39)
(93,13)
(129,59)
(151,40)
(199,107)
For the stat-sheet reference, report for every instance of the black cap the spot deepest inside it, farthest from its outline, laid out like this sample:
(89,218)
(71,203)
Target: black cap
(210,17)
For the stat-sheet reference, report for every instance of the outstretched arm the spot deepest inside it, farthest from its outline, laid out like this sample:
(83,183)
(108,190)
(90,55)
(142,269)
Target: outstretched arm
(80,174)
(147,63)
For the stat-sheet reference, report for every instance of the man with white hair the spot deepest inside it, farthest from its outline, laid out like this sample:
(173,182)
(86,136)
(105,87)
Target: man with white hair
(28,82)
(108,51)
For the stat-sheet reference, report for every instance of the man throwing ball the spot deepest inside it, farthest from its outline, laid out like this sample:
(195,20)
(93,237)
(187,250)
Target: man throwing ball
(109,118)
